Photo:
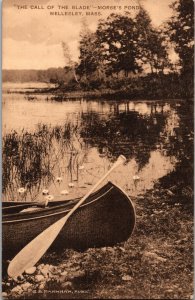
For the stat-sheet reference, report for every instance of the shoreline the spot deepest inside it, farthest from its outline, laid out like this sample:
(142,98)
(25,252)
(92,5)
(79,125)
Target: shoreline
(62,96)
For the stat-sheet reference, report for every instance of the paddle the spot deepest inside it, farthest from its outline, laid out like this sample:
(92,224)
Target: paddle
(33,251)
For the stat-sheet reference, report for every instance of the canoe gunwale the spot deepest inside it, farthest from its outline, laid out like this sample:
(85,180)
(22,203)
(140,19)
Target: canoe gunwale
(109,184)
(56,213)
(109,220)
(52,205)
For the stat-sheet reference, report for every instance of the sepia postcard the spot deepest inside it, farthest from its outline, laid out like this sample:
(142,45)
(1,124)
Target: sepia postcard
(97,149)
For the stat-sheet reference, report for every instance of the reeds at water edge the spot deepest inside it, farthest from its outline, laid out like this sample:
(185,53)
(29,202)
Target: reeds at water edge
(33,159)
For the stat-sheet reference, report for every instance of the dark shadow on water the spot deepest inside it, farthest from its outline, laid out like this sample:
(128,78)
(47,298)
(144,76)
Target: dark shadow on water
(181,145)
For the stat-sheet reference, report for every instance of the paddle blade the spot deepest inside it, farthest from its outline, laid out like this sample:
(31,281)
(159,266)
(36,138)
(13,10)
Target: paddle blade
(33,251)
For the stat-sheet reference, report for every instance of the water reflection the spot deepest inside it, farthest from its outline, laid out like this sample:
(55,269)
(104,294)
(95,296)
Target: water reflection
(133,134)
(179,142)
(79,140)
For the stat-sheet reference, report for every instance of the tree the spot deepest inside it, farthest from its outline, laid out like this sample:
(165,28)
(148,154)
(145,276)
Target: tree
(88,53)
(117,39)
(181,32)
(151,43)
(68,57)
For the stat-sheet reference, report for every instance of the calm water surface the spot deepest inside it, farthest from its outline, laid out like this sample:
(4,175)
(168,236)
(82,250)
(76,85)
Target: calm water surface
(65,147)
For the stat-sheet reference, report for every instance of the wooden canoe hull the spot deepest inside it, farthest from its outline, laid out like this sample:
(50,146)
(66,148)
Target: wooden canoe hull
(107,218)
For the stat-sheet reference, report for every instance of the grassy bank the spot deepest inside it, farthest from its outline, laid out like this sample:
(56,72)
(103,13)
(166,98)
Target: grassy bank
(155,263)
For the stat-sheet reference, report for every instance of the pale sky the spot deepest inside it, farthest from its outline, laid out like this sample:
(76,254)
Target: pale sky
(32,37)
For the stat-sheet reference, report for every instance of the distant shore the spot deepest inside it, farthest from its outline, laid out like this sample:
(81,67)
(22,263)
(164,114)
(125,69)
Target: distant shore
(60,96)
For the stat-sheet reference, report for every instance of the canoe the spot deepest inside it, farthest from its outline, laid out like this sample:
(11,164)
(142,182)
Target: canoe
(106,218)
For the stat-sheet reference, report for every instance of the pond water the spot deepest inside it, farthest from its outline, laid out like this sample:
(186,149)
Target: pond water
(65,147)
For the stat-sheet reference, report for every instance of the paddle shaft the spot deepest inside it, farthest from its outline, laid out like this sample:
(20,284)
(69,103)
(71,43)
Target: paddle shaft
(33,251)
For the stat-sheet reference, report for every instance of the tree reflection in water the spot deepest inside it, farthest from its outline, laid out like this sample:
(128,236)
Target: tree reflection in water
(129,133)
(155,138)
(180,143)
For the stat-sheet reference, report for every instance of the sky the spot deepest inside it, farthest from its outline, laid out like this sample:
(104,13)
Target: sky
(32,37)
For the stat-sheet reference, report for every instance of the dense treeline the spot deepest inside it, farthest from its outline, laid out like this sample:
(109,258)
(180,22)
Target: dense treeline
(52,75)
(125,53)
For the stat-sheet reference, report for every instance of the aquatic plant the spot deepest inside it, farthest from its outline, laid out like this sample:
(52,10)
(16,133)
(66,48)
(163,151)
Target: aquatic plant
(33,159)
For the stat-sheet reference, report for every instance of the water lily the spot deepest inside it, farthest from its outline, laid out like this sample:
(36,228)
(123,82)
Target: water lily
(59,179)
(45,192)
(136,177)
(71,184)
(64,192)
(21,190)
(81,167)
(50,197)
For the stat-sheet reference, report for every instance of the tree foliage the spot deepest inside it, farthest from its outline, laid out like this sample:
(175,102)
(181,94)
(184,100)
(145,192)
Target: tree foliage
(122,45)
(117,38)
(88,54)
(181,31)
(151,43)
